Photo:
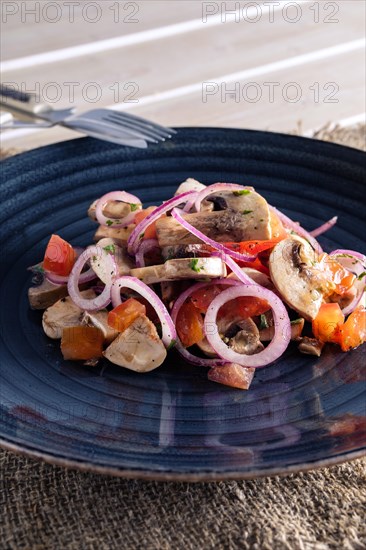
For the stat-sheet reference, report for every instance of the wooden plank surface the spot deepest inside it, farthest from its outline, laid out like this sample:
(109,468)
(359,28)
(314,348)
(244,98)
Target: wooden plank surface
(166,75)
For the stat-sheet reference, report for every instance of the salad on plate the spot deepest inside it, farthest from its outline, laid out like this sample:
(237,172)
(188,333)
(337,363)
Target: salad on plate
(215,273)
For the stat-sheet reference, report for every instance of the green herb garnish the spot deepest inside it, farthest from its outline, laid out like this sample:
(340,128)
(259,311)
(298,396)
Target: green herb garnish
(241,192)
(193,264)
(297,321)
(247,211)
(264,323)
(171,345)
(94,258)
(134,207)
(110,248)
(361,276)
(109,223)
(142,235)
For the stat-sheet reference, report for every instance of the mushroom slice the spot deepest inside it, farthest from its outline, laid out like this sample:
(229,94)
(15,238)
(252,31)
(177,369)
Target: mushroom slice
(246,217)
(186,268)
(63,314)
(189,185)
(257,276)
(122,259)
(232,375)
(292,266)
(45,295)
(246,341)
(113,209)
(205,346)
(310,346)
(267,334)
(119,235)
(99,319)
(138,348)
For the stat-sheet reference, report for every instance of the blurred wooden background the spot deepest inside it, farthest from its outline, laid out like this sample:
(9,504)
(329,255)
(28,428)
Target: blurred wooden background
(265,65)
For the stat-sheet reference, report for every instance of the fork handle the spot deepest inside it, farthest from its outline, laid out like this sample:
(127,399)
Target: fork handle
(22,101)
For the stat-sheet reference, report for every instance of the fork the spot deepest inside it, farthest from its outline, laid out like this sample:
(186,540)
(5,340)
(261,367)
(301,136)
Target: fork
(107,123)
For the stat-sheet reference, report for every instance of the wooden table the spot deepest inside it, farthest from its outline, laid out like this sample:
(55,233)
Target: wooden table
(265,65)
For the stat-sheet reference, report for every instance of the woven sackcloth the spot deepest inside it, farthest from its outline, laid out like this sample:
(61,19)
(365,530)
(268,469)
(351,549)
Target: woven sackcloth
(48,507)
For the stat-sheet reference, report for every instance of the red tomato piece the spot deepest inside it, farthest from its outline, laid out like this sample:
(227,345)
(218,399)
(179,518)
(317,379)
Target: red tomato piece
(122,316)
(150,232)
(59,256)
(326,324)
(202,298)
(353,333)
(82,343)
(244,307)
(189,325)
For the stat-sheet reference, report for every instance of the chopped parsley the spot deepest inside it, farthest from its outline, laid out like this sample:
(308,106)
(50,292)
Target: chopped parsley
(264,323)
(247,211)
(241,192)
(361,276)
(193,264)
(109,223)
(172,344)
(142,235)
(94,258)
(110,248)
(134,207)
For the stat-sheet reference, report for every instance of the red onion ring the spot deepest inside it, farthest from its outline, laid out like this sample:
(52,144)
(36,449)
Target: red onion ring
(282,326)
(324,227)
(117,196)
(104,298)
(200,361)
(60,280)
(215,188)
(355,262)
(169,334)
(287,222)
(218,246)
(145,246)
(242,276)
(137,234)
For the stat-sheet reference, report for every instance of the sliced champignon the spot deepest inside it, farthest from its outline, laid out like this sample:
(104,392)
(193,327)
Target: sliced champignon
(138,348)
(267,334)
(232,375)
(186,251)
(310,346)
(246,217)
(120,236)
(292,266)
(187,268)
(46,294)
(113,210)
(121,257)
(99,319)
(246,341)
(257,276)
(63,314)
(189,185)
(206,348)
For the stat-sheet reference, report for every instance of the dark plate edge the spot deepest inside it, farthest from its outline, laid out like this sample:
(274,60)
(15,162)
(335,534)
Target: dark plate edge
(155,475)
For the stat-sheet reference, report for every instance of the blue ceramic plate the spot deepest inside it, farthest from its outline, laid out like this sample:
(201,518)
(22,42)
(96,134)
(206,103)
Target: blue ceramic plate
(173,423)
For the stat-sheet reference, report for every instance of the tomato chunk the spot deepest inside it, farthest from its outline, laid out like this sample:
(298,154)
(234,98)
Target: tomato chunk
(202,298)
(326,324)
(59,256)
(122,316)
(189,325)
(82,343)
(353,333)
(244,307)
(339,276)
(150,232)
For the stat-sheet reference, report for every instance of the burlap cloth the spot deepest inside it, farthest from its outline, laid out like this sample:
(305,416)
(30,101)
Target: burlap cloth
(48,507)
